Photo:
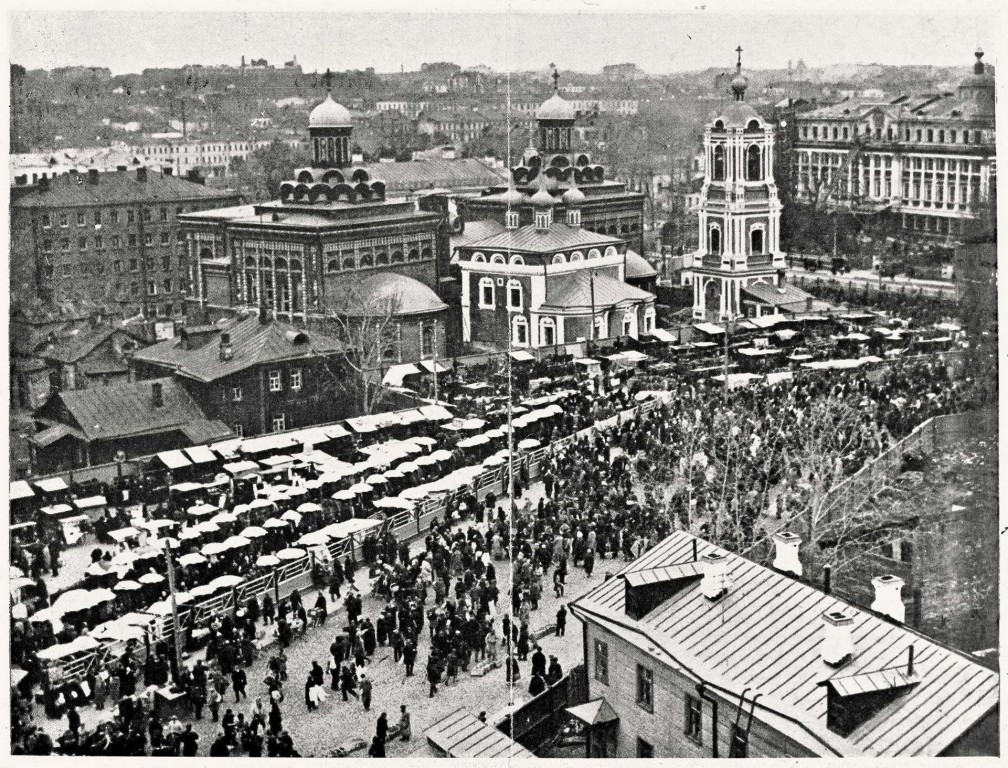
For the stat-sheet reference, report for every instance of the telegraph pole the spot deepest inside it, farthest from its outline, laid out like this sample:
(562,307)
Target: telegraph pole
(435,362)
(176,634)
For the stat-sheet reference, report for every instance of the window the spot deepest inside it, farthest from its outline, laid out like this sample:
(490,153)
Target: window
(279,423)
(148,239)
(82,243)
(559,258)
(644,748)
(628,318)
(739,746)
(295,379)
(478,258)
(47,246)
(547,332)
(236,394)
(169,310)
(756,241)
(115,241)
(165,238)
(649,318)
(166,263)
(151,288)
(645,688)
(97,218)
(519,331)
(46,221)
(164,214)
(514,295)
(81,219)
(131,240)
(719,162)
(117,267)
(146,214)
(64,221)
(602,662)
(693,718)
(714,240)
(486,296)
(114,217)
(754,163)
(166,286)
(134,265)
(99,244)
(65,244)
(274,381)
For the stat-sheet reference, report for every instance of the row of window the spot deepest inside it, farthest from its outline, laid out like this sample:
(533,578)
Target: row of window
(920,135)
(559,258)
(757,239)
(131,265)
(114,242)
(366,258)
(98,217)
(836,159)
(153,288)
(644,696)
(753,167)
(488,294)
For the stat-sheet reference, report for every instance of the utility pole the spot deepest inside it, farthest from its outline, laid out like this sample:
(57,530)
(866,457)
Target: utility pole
(591,284)
(176,633)
(435,362)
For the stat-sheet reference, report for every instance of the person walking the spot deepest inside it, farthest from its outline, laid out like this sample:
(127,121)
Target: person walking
(365,691)
(561,621)
(238,681)
(405,728)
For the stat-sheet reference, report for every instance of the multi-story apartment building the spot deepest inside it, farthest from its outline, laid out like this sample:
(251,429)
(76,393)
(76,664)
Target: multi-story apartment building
(108,238)
(211,158)
(928,161)
(411,109)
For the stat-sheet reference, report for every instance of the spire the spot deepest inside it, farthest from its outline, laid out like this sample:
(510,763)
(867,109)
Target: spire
(556,79)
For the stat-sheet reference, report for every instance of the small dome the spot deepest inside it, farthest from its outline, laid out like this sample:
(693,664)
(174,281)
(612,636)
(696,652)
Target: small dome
(510,196)
(329,114)
(573,195)
(542,197)
(405,295)
(738,114)
(556,108)
(739,84)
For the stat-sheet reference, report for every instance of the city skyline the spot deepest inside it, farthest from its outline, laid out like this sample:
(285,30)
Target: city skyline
(657,43)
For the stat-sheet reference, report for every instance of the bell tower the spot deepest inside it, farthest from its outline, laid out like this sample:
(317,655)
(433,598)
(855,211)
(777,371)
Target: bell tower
(739,211)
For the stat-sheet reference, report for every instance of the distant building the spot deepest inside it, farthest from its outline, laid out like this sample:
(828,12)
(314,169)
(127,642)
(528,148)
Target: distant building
(108,238)
(411,109)
(28,169)
(694,652)
(84,427)
(210,158)
(255,374)
(925,163)
(89,359)
(620,72)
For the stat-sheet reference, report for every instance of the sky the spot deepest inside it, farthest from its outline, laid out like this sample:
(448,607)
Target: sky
(887,33)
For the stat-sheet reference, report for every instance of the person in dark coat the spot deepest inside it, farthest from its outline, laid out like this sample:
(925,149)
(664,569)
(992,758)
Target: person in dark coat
(561,621)
(238,681)
(321,609)
(554,673)
(268,609)
(275,716)
(381,727)
(539,662)
(219,748)
(537,685)
(377,748)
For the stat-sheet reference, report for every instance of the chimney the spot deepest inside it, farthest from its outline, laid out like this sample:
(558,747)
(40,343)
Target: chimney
(786,558)
(141,175)
(888,601)
(157,394)
(43,184)
(121,168)
(827,573)
(226,350)
(194,176)
(910,655)
(92,175)
(838,638)
(167,171)
(716,578)
(263,314)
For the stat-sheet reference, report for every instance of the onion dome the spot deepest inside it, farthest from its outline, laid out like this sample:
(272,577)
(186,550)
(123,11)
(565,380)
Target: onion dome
(330,114)
(542,198)
(740,82)
(573,195)
(556,108)
(511,196)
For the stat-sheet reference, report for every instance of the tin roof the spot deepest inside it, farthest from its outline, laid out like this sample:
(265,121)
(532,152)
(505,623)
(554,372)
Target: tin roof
(461,734)
(765,636)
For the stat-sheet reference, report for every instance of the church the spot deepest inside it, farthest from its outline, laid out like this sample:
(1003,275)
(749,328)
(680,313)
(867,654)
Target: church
(739,269)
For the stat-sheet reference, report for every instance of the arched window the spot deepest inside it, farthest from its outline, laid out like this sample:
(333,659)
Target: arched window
(594,253)
(752,125)
(427,337)
(349,263)
(281,263)
(628,321)
(267,263)
(413,255)
(486,293)
(754,163)
(426,253)
(517,259)
(601,327)
(611,251)
(295,265)
(497,258)
(757,242)
(559,258)
(478,258)
(714,239)
(333,265)
(366,259)
(718,173)
(719,125)
(519,331)
(577,256)
(547,332)
(382,257)
(514,293)
(397,257)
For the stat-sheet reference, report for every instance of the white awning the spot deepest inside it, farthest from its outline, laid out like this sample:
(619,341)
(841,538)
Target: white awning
(394,376)
(20,489)
(236,468)
(768,321)
(435,412)
(227,448)
(276,461)
(200,454)
(267,443)
(662,335)
(522,356)
(430,366)
(52,484)
(708,328)
(174,459)
(91,502)
(575,350)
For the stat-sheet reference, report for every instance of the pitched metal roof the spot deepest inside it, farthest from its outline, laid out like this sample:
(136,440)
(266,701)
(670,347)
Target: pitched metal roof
(71,349)
(637,267)
(461,734)
(475,231)
(675,572)
(786,296)
(765,635)
(558,237)
(123,410)
(120,187)
(890,679)
(252,343)
(413,175)
(573,293)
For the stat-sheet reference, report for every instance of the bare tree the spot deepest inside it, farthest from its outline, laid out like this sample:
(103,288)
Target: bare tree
(367,326)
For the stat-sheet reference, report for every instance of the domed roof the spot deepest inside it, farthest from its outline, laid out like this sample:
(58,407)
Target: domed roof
(573,195)
(739,84)
(510,196)
(381,290)
(738,114)
(329,114)
(637,267)
(542,197)
(556,108)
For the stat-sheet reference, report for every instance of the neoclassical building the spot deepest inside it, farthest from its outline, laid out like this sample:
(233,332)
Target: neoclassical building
(739,215)
(336,245)
(550,281)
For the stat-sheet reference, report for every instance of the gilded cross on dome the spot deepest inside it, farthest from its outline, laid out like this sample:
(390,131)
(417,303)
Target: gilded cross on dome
(556,79)
(739,52)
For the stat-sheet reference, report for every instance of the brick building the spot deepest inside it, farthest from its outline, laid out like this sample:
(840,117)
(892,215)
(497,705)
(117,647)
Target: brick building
(257,375)
(109,238)
(702,653)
